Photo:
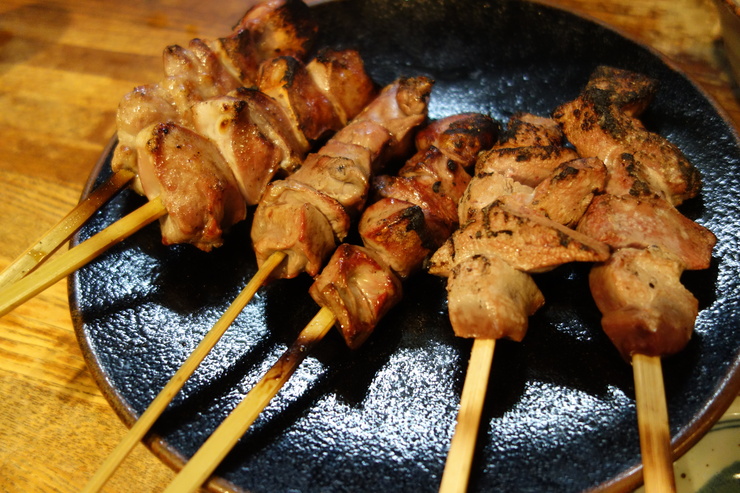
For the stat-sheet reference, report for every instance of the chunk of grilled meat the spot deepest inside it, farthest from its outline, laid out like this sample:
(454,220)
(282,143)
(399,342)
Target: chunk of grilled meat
(645,307)
(357,287)
(195,184)
(488,298)
(597,124)
(340,171)
(630,222)
(341,77)
(422,197)
(360,284)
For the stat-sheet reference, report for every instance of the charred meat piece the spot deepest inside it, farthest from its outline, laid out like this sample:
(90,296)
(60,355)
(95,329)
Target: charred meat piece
(567,193)
(195,184)
(460,137)
(287,80)
(396,230)
(630,92)
(526,165)
(599,127)
(645,307)
(528,130)
(527,241)
(358,289)
(434,182)
(278,28)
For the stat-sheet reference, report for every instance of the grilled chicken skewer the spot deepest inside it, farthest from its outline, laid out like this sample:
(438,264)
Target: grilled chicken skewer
(361,283)
(646,311)
(403,101)
(516,218)
(201,180)
(275,27)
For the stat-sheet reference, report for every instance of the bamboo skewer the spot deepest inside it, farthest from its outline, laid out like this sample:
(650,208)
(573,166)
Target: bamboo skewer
(55,269)
(64,229)
(652,422)
(175,384)
(460,456)
(223,439)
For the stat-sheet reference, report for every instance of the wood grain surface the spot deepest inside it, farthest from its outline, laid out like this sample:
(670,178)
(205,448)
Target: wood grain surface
(64,65)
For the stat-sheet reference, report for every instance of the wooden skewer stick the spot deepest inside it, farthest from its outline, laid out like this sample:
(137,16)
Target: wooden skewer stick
(460,457)
(223,439)
(652,422)
(71,260)
(64,229)
(165,396)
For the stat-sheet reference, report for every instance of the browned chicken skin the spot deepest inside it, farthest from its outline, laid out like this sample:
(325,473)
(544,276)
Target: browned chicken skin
(360,284)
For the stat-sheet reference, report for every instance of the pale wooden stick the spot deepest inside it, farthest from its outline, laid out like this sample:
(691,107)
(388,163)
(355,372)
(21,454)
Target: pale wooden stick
(652,421)
(218,445)
(460,457)
(64,229)
(165,396)
(71,260)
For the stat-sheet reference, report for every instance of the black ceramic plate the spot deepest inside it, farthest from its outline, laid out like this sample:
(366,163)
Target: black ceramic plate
(560,414)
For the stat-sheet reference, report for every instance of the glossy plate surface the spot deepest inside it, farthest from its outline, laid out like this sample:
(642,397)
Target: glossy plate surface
(560,413)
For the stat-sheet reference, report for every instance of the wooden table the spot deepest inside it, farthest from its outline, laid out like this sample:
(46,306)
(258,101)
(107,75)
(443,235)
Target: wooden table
(64,65)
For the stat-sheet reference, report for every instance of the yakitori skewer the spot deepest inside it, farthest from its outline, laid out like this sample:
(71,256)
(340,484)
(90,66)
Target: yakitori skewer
(204,70)
(414,212)
(208,163)
(646,311)
(379,132)
(515,219)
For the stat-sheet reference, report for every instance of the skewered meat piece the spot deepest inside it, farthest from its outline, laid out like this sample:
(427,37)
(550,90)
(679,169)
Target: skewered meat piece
(360,284)
(488,298)
(645,162)
(253,134)
(210,68)
(528,241)
(568,192)
(195,184)
(287,80)
(632,222)
(629,91)
(645,307)
(278,28)
(512,220)
(359,289)
(341,77)
(386,125)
